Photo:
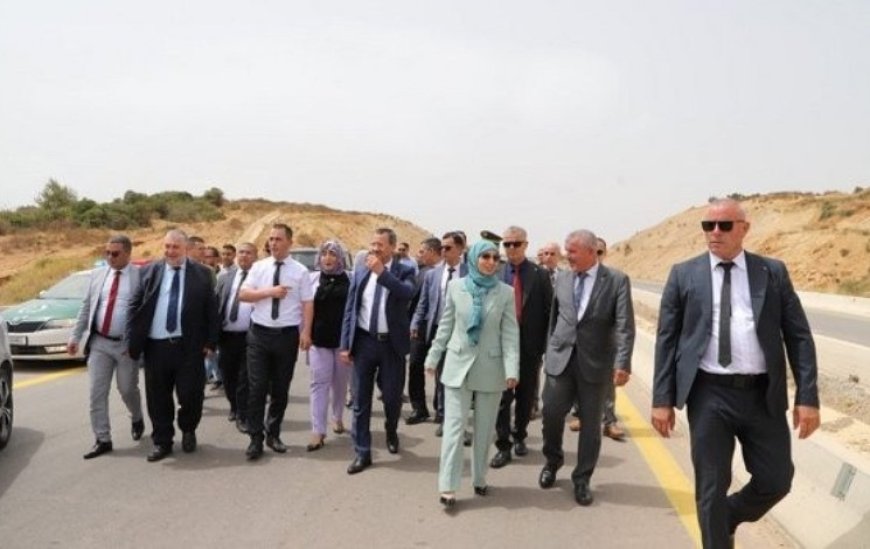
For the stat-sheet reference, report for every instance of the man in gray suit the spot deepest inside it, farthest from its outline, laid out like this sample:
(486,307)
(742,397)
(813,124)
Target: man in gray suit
(591,340)
(727,320)
(100,331)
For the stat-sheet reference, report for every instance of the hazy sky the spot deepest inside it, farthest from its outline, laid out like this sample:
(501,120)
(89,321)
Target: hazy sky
(553,115)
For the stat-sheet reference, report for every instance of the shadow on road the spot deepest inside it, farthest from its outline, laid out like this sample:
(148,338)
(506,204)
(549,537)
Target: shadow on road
(16,456)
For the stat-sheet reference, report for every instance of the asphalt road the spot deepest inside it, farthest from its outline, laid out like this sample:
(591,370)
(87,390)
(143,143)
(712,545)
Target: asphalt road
(836,325)
(51,497)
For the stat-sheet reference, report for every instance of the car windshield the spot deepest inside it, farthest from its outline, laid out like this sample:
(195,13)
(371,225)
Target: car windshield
(74,286)
(306,257)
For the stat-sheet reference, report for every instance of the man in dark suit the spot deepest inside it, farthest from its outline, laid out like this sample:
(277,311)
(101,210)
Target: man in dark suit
(235,319)
(424,323)
(727,320)
(428,256)
(375,335)
(173,322)
(533,293)
(591,341)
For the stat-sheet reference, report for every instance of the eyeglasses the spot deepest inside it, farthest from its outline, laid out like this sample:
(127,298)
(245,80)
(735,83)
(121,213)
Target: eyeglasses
(489,257)
(509,245)
(599,252)
(724,226)
(113,253)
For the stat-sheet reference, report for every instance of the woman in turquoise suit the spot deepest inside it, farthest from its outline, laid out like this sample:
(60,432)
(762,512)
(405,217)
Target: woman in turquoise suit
(479,334)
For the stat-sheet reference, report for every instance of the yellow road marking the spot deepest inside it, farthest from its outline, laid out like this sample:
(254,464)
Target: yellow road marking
(676,485)
(45,378)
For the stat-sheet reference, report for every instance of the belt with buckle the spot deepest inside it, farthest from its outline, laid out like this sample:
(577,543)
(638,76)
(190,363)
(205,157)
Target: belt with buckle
(110,338)
(735,381)
(376,336)
(276,330)
(168,340)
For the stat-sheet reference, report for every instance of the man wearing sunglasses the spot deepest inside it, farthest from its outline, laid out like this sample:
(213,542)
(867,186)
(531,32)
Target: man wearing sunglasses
(100,330)
(728,318)
(532,295)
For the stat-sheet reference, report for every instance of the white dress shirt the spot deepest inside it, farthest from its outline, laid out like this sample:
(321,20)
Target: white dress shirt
(122,301)
(368,300)
(295,277)
(588,284)
(746,354)
(243,322)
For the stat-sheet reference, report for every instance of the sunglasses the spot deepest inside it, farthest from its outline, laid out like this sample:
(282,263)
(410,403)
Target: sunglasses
(724,226)
(489,257)
(516,244)
(113,253)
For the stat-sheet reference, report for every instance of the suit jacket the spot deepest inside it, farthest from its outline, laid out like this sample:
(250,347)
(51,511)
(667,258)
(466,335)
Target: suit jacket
(91,302)
(603,338)
(685,323)
(399,280)
(495,358)
(537,298)
(222,289)
(200,323)
(424,320)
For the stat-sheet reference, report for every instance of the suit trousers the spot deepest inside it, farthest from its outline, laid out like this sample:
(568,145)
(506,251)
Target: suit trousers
(560,394)
(328,387)
(169,366)
(373,359)
(233,363)
(417,375)
(272,354)
(610,403)
(524,395)
(105,357)
(717,416)
(457,403)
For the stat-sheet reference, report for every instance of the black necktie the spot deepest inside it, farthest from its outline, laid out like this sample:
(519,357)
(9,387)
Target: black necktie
(450,272)
(276,280)
(234,310)
(172,309)
(725,316)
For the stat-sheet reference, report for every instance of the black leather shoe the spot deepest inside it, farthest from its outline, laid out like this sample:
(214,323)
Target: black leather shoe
(255,449)
(548,476)
(481,490)
(466,439)
(439,431)
(240,426)
(274,442)
(188,442)
(500,459)
(359,465)
(520,448)
(99,449)
(583,494)
(418,416)
(137,428)
(393,442)
(159,452)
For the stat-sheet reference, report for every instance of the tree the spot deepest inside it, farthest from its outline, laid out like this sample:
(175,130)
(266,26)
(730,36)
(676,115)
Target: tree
(55,196)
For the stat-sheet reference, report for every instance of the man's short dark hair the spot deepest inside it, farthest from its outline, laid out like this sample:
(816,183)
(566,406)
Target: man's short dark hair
(391,234)
(212,250)
(458,237)
(124,241)
(432,244)
(229,247)
(194,238)
(288,232)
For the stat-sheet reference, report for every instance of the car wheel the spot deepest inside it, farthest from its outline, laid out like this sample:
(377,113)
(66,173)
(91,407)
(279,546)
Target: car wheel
(5,405)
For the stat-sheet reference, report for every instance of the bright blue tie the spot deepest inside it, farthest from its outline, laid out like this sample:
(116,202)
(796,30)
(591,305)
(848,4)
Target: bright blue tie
(172,309)
(376,308)
(578,291)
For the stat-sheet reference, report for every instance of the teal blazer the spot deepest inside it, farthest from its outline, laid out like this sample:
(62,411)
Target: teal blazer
(486,366)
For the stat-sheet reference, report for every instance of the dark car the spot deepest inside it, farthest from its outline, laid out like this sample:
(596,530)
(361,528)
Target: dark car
(5,388)
(308,257)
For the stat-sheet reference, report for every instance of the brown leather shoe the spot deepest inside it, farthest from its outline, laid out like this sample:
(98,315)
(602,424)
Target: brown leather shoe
(614,431)
(574,424)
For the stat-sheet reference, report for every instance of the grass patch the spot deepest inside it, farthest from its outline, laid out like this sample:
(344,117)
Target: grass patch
(39,275)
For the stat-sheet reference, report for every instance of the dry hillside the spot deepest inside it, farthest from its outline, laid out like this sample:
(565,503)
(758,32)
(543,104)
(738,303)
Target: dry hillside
(31,261)
(824,239)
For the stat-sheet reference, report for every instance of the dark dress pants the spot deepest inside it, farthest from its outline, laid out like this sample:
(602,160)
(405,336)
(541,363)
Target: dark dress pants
(560,394)
(374,360)
(233,363)
(272,354)
(169,366)
(717,416)
(524,396)
(417,375)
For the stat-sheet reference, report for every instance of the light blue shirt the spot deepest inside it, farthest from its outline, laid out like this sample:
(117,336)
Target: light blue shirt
(158,323)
